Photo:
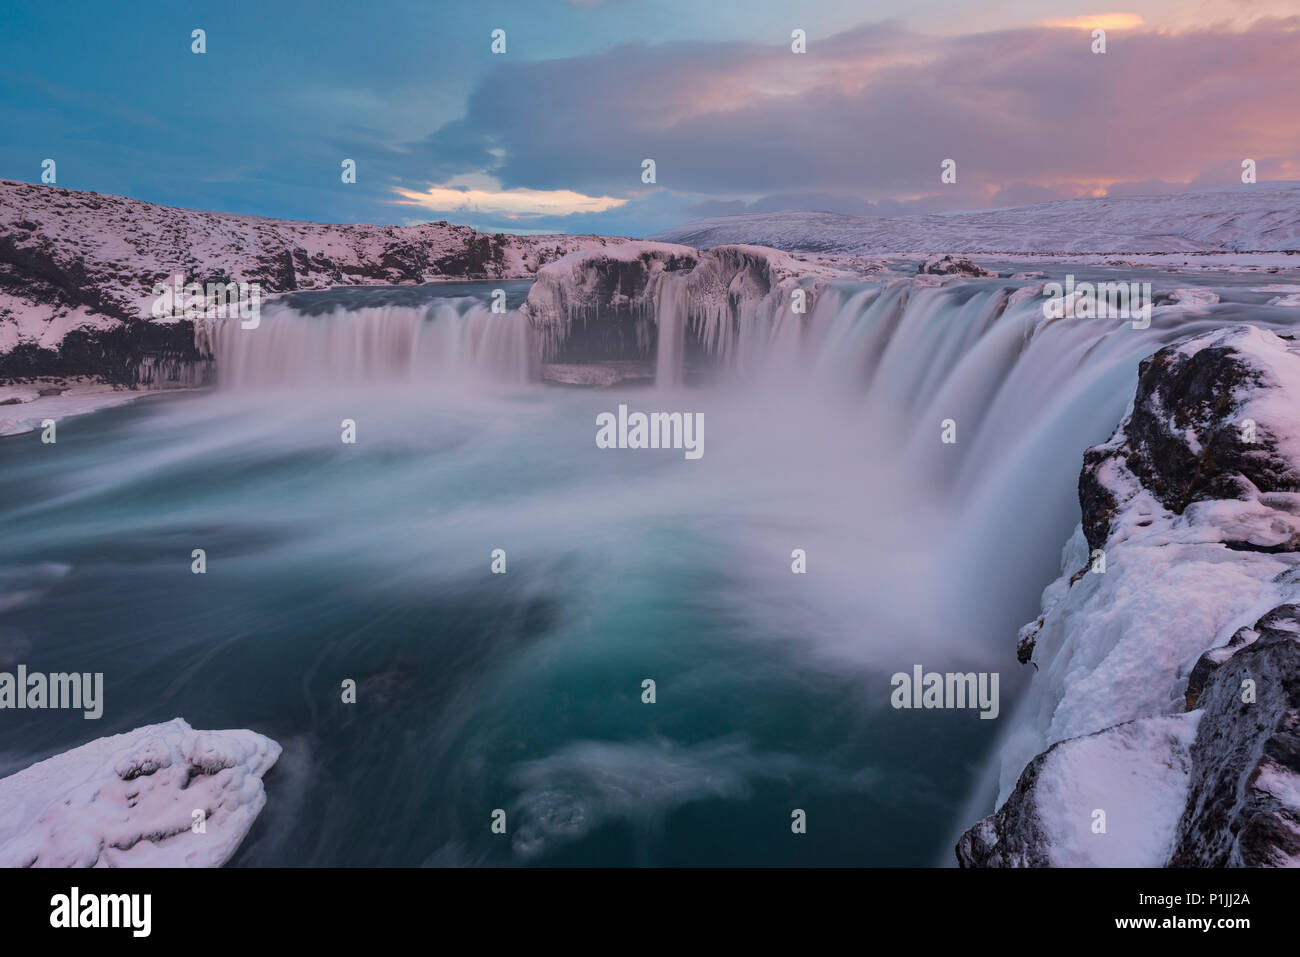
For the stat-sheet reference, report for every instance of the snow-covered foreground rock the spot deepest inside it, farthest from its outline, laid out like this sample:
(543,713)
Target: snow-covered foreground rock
(1166,703)
(1259,217)
(129,800)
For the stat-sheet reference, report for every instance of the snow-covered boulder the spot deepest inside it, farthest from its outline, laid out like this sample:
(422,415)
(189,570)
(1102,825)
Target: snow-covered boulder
(130,800)
(1190,533)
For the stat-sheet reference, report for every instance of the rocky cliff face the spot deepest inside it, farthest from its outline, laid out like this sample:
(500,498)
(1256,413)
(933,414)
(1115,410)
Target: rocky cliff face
(609,304)
(602,304)
(1163,726)
(77,271)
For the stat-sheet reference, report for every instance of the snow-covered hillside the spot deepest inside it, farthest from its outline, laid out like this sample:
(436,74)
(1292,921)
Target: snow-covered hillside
(1259,217)
(73,259)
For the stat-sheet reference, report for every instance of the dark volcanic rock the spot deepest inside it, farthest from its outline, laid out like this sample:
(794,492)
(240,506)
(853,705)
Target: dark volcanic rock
(1244,807)
(133,353)
(950,266)
(1012,837)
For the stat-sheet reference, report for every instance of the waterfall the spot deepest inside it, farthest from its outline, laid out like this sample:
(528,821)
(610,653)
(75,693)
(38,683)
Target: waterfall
(673,314)
(1027,395)
(450,340)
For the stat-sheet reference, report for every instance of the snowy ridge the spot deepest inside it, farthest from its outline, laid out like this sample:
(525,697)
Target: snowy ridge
(1137,706)
(72,259)
(128,800)
(1259,217)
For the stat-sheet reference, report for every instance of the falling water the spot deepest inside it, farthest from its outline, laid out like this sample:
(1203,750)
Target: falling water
(451,339)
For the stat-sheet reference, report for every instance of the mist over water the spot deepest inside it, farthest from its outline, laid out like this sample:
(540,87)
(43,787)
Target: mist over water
(522,691)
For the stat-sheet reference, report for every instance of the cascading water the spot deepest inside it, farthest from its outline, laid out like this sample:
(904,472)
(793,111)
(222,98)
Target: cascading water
(452,339)
(522,688)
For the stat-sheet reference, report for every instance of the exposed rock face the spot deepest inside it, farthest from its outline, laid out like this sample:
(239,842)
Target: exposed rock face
(130,353)
(596,305)
(948,266)
(86,261)
(1139,708)
(1244,809)
(607,304)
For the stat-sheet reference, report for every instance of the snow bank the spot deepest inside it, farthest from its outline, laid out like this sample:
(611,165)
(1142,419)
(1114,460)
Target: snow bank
(129,800)
(23,407)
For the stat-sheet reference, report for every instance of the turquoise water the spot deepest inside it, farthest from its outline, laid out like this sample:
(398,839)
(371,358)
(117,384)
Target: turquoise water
(477,691)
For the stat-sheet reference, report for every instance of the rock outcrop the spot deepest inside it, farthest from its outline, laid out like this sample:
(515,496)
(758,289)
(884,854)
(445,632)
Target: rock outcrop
(594,305)
(1167,701)
(950,266)
(609,304)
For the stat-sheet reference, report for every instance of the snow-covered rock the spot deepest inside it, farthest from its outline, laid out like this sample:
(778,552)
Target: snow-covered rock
(129,800)
(608,304)
(1190,533)
(946,265)
(1245,778)
(601,303)
(1195,296)
(1259,217)
(1136,773)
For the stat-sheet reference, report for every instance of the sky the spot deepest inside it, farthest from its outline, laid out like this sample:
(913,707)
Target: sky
(551,134)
